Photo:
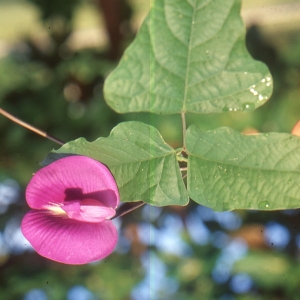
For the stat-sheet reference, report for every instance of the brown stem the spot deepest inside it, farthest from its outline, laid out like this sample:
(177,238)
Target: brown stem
(112,16)
(127,208)
(29,127)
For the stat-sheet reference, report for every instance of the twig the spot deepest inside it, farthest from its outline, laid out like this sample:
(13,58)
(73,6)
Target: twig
(29,127)
(127,208)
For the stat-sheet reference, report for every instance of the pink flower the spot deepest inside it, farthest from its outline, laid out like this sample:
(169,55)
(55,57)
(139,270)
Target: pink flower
(73,200)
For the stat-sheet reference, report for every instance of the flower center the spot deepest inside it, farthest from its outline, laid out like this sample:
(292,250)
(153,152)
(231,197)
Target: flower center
(86,210)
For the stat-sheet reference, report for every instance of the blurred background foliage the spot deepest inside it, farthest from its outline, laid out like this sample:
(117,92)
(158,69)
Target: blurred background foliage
(54,57)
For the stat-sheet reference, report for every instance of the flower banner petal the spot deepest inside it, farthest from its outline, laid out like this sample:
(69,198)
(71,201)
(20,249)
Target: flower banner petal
(72,178)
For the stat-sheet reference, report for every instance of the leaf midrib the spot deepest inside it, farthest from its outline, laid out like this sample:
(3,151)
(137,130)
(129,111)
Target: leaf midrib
(188,62)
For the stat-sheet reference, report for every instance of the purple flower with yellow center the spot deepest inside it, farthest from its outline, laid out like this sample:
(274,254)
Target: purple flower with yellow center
(72,201)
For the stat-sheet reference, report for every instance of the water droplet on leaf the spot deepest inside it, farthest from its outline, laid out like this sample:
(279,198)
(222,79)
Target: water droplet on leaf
(260,97)
(248,107)
(263,205)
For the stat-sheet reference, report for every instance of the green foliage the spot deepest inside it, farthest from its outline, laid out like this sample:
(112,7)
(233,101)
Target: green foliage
(189,56)
(229,170)
(39,100)
(213,73)
(144,166)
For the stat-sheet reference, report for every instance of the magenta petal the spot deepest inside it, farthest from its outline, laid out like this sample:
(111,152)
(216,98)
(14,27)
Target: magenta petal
(69,241)
(69,178)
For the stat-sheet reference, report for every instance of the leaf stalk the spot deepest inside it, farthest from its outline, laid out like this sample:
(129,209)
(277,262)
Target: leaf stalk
(183,130)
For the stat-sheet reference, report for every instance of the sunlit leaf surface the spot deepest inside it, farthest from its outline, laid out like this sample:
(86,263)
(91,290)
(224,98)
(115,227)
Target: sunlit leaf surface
(229,170)
(189,56)
(144,166)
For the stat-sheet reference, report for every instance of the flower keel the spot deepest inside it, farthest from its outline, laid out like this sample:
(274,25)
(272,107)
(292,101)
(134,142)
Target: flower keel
(88,210)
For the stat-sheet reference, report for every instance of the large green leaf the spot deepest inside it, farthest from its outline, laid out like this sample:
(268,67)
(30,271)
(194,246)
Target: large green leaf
(144,166)
(189,55)
(228,170)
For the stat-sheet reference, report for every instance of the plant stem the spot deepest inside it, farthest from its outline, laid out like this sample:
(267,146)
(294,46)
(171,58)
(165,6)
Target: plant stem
(32,128)
(127,208)
(183,130)
(181,159)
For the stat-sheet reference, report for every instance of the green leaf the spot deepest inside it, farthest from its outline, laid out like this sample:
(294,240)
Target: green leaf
(189,56)
(228,170)
(144,166)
